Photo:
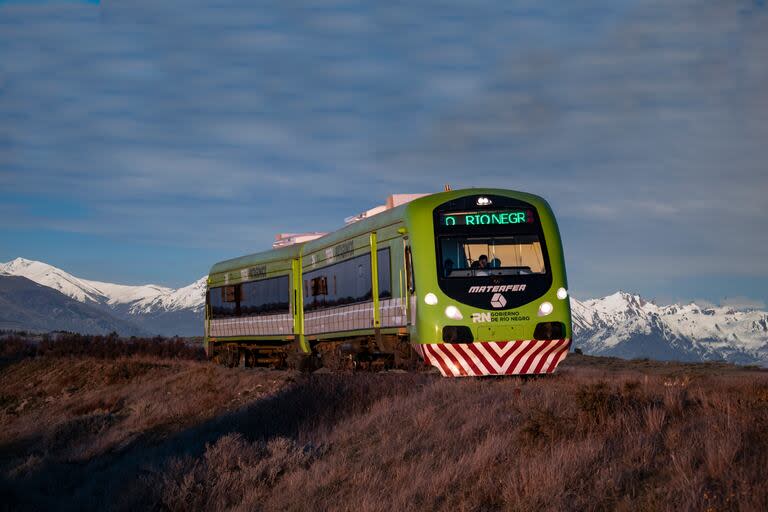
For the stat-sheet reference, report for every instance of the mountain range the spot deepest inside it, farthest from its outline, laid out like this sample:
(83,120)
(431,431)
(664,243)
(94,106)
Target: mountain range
(26,305)
(625,325)
(622,324)
(149,309)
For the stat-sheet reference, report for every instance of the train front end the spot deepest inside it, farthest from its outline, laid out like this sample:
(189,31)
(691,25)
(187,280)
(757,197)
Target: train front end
(491,288)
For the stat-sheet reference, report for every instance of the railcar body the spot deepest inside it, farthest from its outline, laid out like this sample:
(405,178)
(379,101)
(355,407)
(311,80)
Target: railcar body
(470,281)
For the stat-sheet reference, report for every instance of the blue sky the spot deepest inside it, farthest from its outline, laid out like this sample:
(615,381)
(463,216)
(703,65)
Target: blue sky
(142,141)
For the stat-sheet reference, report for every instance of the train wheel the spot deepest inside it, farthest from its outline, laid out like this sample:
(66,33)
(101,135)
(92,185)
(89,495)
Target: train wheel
(231,357)
(334,358)
(295,358)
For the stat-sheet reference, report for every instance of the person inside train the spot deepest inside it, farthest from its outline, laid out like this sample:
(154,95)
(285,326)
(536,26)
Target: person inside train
(482,265)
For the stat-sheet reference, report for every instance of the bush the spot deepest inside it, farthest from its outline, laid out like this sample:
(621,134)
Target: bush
(102,347)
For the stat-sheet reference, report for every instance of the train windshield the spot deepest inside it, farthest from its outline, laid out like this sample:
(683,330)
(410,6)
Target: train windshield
(475,256)
(489,242)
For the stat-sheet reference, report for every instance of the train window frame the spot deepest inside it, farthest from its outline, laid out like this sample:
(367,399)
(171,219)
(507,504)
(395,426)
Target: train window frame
(464,288)
(388,273)
(220,308)
(236,307)
(470,271)
(279,303)
(338,298)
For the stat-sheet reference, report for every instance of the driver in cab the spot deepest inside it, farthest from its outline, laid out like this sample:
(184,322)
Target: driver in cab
(481,265)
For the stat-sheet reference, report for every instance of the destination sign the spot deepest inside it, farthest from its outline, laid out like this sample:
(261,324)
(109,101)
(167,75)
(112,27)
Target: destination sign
(486,218)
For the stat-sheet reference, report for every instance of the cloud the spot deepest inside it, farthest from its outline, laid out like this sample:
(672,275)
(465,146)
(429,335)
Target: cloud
(742,303)
(643,123)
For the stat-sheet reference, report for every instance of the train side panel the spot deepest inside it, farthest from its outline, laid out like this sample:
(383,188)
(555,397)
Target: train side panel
(251,307)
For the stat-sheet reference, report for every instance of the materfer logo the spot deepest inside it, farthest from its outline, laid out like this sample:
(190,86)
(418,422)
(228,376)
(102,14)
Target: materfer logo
(497,289)
(498,300)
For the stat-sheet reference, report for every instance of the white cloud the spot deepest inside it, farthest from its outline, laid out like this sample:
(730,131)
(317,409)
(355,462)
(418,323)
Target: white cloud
(644,121)
(743,303)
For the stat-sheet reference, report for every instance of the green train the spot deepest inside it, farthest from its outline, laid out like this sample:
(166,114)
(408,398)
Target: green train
(470,281)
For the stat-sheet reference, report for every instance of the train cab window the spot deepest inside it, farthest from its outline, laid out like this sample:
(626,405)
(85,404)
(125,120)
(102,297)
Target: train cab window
(469,256)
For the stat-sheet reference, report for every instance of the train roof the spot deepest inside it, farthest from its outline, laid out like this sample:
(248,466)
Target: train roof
(283,253)
(365,225)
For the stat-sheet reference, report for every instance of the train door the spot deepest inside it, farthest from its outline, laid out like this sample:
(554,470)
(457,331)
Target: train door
(297,306)
(410,285)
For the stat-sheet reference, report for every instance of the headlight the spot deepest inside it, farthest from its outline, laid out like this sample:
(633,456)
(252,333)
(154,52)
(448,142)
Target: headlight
(562,293)
(453,313)
(545,308)
(430,299)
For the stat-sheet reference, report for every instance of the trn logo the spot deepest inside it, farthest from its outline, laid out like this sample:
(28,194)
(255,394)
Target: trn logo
(480,317)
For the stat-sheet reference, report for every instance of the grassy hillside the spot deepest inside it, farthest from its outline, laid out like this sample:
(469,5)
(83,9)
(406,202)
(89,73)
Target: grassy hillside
(172,433)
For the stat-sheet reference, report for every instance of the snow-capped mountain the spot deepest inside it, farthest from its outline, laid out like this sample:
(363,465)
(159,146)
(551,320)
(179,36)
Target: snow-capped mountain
(81,290)
(626,325)
(622,324)
(26,305)
(52,277)
(191,297)
(154,309)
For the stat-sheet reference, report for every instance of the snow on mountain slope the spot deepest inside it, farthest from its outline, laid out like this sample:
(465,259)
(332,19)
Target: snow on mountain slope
(52,277)
(626,325)
(139,299)
(746,329)
(621,312)
(126,294)
(622,324)
(191,297)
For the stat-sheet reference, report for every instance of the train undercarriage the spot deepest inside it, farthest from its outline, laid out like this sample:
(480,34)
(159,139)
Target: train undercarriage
(373,353)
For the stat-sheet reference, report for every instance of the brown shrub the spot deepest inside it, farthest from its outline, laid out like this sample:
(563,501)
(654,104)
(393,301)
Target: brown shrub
(230,471)
(544,427)
(176,435)
(14,346)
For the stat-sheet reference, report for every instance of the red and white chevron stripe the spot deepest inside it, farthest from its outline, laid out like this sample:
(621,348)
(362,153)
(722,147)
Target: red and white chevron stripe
(496,357)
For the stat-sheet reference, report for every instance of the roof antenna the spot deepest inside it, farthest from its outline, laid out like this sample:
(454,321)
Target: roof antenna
(447,188)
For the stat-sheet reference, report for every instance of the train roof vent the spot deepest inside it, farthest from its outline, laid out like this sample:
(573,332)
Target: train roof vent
(393,201)
(286,239)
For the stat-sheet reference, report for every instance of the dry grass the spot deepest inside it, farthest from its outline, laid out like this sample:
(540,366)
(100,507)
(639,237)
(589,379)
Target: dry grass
(152,433)
(14,346)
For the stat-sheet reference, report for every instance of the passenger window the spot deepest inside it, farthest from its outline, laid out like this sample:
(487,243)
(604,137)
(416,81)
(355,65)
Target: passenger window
(319,286)
(350,283)
(228,294)
(266,296)
(385,275)
(220,306)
